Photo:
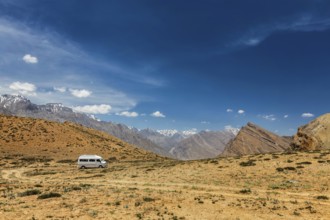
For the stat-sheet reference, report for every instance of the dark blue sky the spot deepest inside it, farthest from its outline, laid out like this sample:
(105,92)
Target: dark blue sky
(172,64)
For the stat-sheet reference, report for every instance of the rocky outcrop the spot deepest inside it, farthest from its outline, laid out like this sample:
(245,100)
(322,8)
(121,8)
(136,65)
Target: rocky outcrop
(313,136)
(253,139)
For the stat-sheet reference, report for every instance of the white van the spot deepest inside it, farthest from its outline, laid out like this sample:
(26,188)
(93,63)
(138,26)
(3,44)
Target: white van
(91,161)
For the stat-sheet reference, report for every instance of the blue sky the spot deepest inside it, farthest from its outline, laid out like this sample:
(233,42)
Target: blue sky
(171,64)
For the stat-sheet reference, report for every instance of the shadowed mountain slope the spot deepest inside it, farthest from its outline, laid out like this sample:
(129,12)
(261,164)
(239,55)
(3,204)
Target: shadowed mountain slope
(202,145)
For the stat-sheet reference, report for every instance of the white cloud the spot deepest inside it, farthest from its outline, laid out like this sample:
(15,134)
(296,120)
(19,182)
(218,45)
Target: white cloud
(158,114)
(60,89)
(83,93)
(27,58)
(269,117)
(253,41)
(93,109)
(229,110)
(205,122)
(128,114)
(307,22)
(24,88)
(64,65)
(240,111)
(307,115)
(285,116)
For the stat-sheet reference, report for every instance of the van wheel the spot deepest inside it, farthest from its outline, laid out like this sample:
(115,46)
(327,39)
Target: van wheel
(100,166)
(83,167)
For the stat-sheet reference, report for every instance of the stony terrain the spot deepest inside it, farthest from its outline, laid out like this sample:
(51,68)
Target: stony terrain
(39,178)
(270,186)
(253,139)
(315,135)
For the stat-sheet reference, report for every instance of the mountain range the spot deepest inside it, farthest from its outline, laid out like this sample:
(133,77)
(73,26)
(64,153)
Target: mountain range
(190,145)
(184,145)
(169,143)
(202,145)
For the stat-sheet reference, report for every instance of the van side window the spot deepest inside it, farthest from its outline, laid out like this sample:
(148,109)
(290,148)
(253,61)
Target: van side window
(83,160)
(91,160)
(98,160)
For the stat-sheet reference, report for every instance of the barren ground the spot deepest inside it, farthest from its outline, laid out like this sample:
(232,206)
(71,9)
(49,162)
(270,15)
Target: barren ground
(278,186)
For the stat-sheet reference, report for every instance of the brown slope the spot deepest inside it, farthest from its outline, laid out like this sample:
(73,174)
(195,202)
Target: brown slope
(38,137)
(314,136)
(253,139)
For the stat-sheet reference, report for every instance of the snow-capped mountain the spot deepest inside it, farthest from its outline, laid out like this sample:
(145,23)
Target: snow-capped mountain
(94,118)
(166,138)
(190,144)
(167,133)
(232,130)
(14,102)
(163,138)
(8,100)
(53,107)
(184,134)
(18,103)
(188,133)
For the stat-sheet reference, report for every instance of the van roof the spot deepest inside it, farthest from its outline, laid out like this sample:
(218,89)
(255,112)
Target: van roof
(90,156)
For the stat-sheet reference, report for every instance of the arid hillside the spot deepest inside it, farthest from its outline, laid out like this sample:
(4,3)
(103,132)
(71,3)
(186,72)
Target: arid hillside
(37,137)
(253,139)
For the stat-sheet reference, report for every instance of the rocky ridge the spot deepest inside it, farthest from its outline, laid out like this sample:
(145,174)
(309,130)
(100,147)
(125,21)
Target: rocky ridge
(253,139)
